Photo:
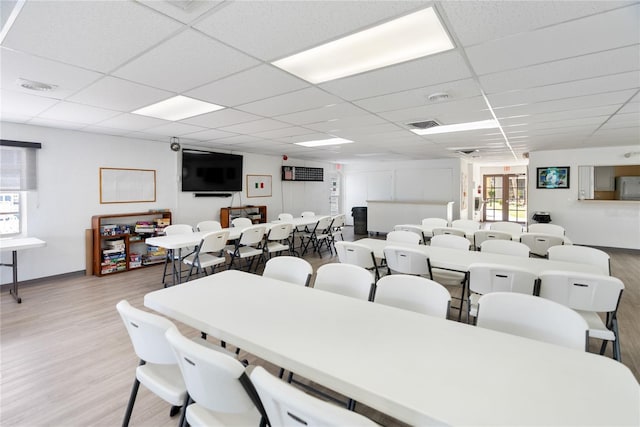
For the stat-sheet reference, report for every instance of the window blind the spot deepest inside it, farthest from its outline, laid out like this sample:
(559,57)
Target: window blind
(18,165)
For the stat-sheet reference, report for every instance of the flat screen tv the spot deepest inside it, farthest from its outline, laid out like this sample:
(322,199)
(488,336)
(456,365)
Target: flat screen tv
(209,171)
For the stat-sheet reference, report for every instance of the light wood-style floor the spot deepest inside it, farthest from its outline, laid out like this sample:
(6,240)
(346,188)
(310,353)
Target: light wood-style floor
(66,358)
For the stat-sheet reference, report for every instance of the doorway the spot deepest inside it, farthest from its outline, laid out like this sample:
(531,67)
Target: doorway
(505,198)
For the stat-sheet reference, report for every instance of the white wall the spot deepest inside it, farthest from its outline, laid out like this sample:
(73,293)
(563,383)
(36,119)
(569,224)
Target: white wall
(609,224)
(68,194)
(424,180)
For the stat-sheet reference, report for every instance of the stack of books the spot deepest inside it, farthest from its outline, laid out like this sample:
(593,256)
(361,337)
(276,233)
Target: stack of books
(113,256)
(145,227)
(135,260)
(155,254)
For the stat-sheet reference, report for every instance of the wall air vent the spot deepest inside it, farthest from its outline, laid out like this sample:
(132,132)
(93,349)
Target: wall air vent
(424,125)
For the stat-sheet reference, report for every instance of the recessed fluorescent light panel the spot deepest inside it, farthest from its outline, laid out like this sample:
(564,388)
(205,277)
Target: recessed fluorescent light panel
(409,37)
(323,142)
(177,108)
(459,127)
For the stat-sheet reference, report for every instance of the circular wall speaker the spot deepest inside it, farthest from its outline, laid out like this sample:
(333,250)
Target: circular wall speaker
(175,146)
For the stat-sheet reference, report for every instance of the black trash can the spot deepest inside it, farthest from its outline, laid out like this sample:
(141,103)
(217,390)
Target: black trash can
(542,217)
(359,214)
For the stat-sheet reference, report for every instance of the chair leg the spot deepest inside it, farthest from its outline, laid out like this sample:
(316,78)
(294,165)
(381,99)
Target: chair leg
(183,417)
(132,400)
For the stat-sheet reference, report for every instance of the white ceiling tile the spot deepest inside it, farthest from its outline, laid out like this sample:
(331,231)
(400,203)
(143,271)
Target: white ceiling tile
(456,111)
(58,124)
(184,62)
(221,118)
(238,139)
(256,126)
(596,33)
(432,70)
(19,103)
(118,94)
(246,86)
(282,133)
(209,135)
(323,114)
(67,78)
(305,99)
(174,129)
(69,111)
(105,130)
(192,10)
(132,122)
(97,35)
(299,25)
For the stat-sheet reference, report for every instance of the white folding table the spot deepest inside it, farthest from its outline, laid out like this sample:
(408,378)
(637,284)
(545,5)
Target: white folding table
(15,245)
(419,369)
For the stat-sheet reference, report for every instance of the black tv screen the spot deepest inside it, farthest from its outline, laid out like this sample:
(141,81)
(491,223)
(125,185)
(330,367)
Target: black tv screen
(209,171)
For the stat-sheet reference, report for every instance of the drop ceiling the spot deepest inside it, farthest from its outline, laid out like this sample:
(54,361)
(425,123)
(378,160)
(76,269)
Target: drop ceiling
(556,74)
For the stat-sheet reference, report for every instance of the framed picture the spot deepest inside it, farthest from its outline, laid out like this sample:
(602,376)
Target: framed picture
(553,177)
(258,185)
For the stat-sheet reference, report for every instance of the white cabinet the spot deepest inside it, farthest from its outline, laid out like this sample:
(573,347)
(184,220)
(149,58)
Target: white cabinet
(604,178)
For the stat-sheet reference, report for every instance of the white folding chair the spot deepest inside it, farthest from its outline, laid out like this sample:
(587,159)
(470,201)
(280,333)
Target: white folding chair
(307,214)
(581,255)
(241,222)
(448,277)
(248,246)
(278,239)
(512,228)
(209,252)
(345,279)
(208,225)
(588,295)
(481,235)
(285,405)
(406,260)
(413,293)
(539,244)
(413,229)
(357,254)
(485,278)
(318,235)
(428,224)
(533,317)
(541,228)
(469,226)
(339,222)
(505,247)
(403,236)
(158,370)
(289,269)
(285,217)
(173,230)
(437,231)
(213,383)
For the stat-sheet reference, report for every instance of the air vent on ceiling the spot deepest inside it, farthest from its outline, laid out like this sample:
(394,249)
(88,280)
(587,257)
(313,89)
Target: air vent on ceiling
(185,5)
(425,124)
(468,151)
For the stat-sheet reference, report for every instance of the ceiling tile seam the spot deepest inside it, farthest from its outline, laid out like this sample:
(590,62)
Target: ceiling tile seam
(616,112)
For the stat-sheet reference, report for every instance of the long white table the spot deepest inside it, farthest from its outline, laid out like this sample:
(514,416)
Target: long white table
(419,369)
(453,259)
(15,245)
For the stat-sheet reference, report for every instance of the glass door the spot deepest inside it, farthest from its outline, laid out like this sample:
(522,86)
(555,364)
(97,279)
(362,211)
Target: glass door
(505,198)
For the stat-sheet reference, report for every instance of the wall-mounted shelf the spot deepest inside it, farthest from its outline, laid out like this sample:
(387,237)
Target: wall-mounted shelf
(302,173)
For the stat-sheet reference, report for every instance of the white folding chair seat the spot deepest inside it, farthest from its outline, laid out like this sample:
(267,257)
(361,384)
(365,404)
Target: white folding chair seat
(285,405)
(248,246)
(428,224)
(213,383)
(413,293)
(588,295)
(413,229)
(581,255)
(208,225)
(505,247)
(403,236)
(485,278)
(209,253)
(539,244)
(552,229)
(533,317)
(481,235)
(289,269)
(357,254)
(278,239)
(407,260)
(307,214)
(241,222)
(318,235)
(344,279)
(447,277)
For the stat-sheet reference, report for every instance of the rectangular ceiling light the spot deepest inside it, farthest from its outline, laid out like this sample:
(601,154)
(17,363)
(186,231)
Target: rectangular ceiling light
(177,108)
(409,37)
(459,127)
(323,142)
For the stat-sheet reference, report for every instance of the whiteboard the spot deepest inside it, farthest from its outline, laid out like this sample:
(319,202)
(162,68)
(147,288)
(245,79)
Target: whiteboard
(127,185)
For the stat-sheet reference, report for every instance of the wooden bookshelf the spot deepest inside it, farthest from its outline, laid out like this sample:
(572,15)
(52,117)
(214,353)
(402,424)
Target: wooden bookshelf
(257,214)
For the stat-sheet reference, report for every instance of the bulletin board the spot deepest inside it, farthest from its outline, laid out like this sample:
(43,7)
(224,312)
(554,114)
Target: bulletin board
(127,185)
(258,185)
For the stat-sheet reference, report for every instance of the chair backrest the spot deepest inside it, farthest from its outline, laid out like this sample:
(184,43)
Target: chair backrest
(582,255)
(539,243)
(214,241)
(323,224)
(306,214)
(407,260)
(485,278)
(287,406)
(413,293)
(211,377)
(289,269)
(437,231)
(147,334)
(510,227)
(339,220)
(533,317)
(344,279)
(581,291)
(285,217)
(241,222)
(450,241)
(252,235)
(208,225)
(403,236)
(468,225)
(482,235)
(542,228)
(355,253)
(505,247)
(411,228)
(429,224)
(279,231)
(175,229)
